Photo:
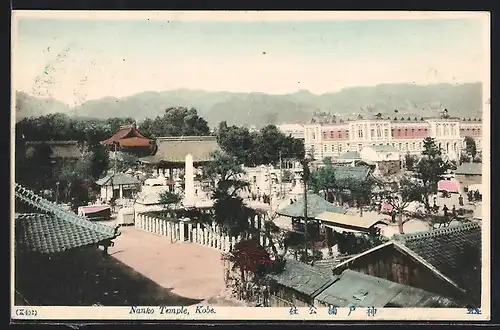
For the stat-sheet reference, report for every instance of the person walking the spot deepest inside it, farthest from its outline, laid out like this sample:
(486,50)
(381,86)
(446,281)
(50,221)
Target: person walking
(461,200)
(445,210)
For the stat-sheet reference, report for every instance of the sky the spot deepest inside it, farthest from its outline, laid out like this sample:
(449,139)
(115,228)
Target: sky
(77,60)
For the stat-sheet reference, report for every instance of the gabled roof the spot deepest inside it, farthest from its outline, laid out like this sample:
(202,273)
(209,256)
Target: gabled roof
(303,278)
(454,251)
(117,179)
(358,173)
(57,229)
(175,149)
(357,289)
(58,149)
(350,155)
(315,205)
(383,148)
(128,136)
(470,169)
(44,233)
(349,221)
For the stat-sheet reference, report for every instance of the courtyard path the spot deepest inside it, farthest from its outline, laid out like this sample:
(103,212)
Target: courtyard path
(189,270)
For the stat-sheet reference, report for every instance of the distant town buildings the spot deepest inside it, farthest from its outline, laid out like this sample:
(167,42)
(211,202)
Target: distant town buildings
(405,135)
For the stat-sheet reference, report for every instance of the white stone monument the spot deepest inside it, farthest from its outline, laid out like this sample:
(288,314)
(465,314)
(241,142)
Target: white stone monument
(189,198)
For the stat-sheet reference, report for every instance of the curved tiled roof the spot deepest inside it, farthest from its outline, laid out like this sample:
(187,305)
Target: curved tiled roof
(54,230)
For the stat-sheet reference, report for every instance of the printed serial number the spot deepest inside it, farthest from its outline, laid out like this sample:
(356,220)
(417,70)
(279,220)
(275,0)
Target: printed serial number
(26,312)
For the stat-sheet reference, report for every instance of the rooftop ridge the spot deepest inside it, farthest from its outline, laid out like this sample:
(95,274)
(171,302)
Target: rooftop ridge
(437,232)
(187,138)
(47,206)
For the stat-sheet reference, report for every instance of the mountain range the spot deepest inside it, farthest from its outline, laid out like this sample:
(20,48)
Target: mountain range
(257,109)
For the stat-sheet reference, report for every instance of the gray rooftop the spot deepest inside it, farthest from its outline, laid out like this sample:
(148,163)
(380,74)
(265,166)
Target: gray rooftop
(470,169)
(303,278)
(361,290)
(117,179)
(315,205)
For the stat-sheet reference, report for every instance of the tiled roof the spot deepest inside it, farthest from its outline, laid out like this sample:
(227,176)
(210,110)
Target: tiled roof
(383,148)
(175,149)
(454,251)
(59,149)
(350,155)
(358,173)
(303,278)
(44,233)
(128,136)
(117,179)
(470,169)
(315,205)
(349,221)
(57,230)
(361,290)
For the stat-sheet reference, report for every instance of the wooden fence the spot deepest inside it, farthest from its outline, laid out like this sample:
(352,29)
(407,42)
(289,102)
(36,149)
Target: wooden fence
(180,231)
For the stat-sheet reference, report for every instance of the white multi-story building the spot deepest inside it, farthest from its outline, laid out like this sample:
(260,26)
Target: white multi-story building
(295,130)
(405,135)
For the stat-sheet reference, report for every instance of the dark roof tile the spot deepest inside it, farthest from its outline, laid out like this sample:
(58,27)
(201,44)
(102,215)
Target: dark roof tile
(454,251)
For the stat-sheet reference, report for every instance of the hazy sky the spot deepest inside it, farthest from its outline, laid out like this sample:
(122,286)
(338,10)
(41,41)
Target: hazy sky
(80,60)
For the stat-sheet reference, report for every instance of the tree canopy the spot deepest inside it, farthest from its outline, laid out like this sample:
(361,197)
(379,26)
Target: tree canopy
(176,121)
(257,148)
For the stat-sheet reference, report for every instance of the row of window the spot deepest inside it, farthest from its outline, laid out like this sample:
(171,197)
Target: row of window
(408,146)
(338,134)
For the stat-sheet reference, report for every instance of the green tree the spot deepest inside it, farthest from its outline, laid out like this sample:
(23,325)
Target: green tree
(225,175)
(176,121)
(410,161)
(399,195)
(430,169)
(169,199)
(430,148)
(323,179)
(359,190)
(470,147)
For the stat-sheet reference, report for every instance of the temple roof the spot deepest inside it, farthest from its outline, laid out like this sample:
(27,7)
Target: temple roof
(175,149)
(129,136)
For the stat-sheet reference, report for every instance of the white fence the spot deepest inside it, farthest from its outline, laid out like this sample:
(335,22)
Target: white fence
(179,231)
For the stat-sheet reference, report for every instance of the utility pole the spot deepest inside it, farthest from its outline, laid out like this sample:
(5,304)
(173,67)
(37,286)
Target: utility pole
(305,175)
(281,177)
(114,166)
(270,193)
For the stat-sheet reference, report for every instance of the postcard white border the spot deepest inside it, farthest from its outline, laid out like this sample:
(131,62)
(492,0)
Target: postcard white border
(276,313)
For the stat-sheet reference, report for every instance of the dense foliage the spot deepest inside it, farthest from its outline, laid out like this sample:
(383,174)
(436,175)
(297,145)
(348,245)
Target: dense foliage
(258,147)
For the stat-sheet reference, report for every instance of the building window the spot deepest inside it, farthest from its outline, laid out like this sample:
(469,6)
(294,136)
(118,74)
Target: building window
(372,131)
(324,135)
(324,148)
(413,146)
(360,147)
(360,131)
(400,146)
(379,131)
(421,145)
(314,136)
(406,146)
(386,133)
(333,148)
(347,134)
(445,130)
(331,134)
(340,135)
(340,150)
(406,131)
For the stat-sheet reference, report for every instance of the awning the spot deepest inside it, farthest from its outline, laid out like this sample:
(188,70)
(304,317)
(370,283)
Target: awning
(448,185)
(349,221)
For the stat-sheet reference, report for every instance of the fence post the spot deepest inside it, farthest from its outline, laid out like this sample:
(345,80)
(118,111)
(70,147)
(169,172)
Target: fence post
(233,242)
(169,229)
(205,236)
(190,232)
(226,243)
(198,232)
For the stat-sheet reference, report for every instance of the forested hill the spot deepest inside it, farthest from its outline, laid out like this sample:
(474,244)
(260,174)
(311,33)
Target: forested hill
(462,100)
